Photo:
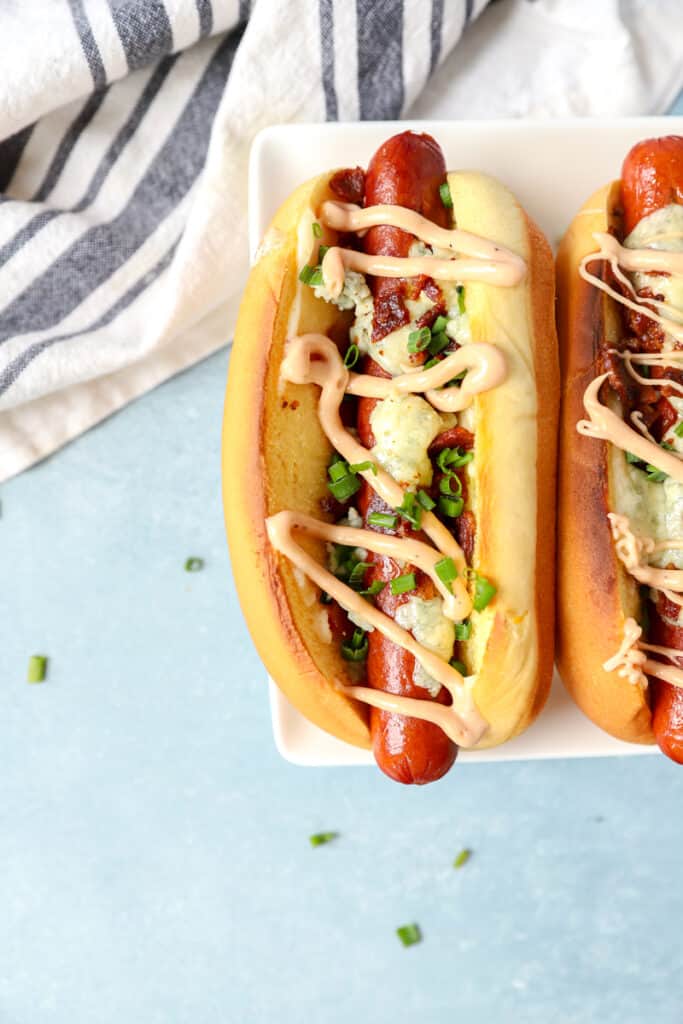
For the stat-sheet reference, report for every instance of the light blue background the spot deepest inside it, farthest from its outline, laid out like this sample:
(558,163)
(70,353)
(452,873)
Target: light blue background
(154,855)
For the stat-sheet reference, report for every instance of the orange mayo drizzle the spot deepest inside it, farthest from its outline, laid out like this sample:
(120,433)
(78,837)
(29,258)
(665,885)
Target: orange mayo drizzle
(673,359)
(631,662)
(633,551)
(486,370)
(605,425)
(635,259)
(461,721)
(488,261)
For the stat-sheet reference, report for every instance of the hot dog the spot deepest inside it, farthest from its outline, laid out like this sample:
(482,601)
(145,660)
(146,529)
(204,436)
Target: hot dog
(392,537)
(621,478)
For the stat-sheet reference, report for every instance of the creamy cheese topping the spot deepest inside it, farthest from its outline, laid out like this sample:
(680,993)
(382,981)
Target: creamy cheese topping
(404,426)
(425,619)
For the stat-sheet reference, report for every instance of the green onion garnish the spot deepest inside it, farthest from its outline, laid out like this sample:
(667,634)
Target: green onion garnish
(462,858)
(456,381)
(419,340)
(351,357)
(438,343)
(306,273)
(439,324)
(453,458)
(410,510)
(446,571)
(458,666)
(667,446)
(427,503)
(344,487)
(194,564)
(337,469)
(37,668)
(317,230)
(463,630)
(320,838)
(460,289)
(446,485)
(322,252)
(355,649)
(430,362)
(409,934)
(657,476)
(376,587)
(363,467)
(357,575)
(446,197)
(678,429)
(451,507)
(316,278)
(402,584)
(484,592)
(385,520)
(631,458)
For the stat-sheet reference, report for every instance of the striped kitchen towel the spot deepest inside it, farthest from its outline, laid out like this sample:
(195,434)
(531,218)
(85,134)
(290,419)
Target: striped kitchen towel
(124,132)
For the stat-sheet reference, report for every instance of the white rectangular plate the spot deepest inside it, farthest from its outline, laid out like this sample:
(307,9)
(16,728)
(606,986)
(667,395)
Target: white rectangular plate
(552,167)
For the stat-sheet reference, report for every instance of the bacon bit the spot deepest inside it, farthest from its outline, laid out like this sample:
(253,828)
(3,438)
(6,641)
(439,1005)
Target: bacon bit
(465,534)
(454,437)
(349,184)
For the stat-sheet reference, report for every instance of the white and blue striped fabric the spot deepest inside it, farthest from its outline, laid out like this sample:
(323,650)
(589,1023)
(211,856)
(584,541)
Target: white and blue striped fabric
(124,132)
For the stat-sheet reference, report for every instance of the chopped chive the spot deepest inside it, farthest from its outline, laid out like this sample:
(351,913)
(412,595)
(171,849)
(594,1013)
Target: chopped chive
(438,343)
(678,429)
(316,278)
(446,197)
(306,273)
(484,592)
(451,507)
(462,858)
(322,252)
(345,487)
(351,357)
(460,289)
(385,520)
(463,630)
(363,467)
(458,666)
(402,584)
(631,458)
(376,587)
(667,446)
(446,571)
(320,838)
(409,934)
(317,230)
(410,510)
(357,575)
(355,649)
(446,485)
(194,564)
(336,470)
(427,503)
(419,340)
(657,476)
(456,381)
(37,668)
(449,459)
(431,362)
(439,324)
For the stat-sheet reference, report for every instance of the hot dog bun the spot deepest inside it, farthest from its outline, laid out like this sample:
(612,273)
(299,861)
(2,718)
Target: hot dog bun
(275,457)
(595,593)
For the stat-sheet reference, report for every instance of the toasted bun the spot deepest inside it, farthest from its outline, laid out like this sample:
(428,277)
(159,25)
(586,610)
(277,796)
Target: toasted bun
(275,456)
(595,593)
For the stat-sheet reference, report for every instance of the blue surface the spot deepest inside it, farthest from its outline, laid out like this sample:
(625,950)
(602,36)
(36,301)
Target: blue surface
(154,855)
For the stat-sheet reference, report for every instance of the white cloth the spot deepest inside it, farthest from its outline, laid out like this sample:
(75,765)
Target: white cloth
(123,246)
